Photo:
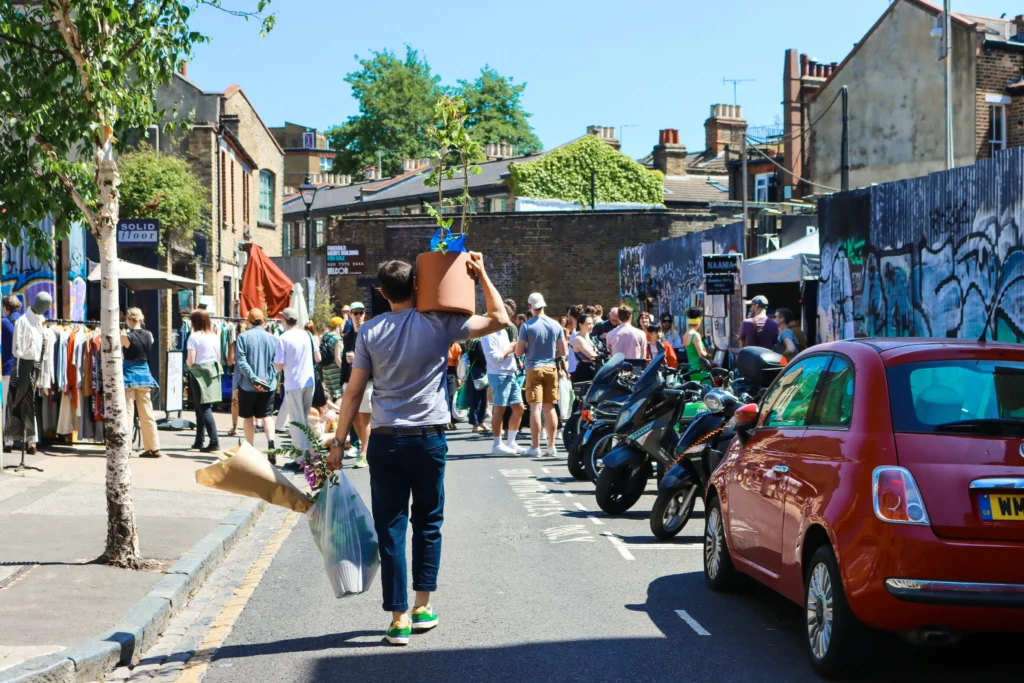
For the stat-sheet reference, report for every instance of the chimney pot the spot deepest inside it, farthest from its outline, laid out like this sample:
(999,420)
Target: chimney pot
(804,59)
(184,69)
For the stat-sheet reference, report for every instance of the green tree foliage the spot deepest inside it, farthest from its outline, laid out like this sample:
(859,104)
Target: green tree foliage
(155,185)
(564,173)
(396,104)
(495,111)
(76,83)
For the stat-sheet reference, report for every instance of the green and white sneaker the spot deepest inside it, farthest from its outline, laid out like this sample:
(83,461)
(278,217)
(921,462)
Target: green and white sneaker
(359,463)
(398,634)
(424,618)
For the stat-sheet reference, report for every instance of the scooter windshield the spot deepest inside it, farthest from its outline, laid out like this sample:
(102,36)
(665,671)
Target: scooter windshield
(650,375)
(610,369)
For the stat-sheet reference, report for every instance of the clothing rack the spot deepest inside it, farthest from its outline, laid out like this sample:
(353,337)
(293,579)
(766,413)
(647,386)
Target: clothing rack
(87,323)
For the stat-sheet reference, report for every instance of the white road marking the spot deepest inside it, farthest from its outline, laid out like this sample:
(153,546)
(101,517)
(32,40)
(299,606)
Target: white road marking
(619,545)
(568,494)
(698,629)
(595,520)
(545,470)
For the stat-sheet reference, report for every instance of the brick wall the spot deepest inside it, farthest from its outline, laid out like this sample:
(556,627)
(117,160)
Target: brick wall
(569,257)
(996,69)
(260,144)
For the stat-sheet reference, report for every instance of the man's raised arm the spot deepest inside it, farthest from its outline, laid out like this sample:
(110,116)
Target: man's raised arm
(497,317)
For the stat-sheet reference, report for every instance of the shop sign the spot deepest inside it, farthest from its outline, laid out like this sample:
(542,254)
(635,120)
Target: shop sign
(138,232)
(346,259)
(720,272)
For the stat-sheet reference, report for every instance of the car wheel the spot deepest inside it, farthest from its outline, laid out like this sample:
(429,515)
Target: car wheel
(833,632)
(719,572)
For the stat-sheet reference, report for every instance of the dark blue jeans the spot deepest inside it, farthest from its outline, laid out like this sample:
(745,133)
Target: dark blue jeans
(399,466)
(477,401)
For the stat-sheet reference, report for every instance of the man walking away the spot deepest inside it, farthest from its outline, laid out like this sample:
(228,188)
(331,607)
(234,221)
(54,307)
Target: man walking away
(406,353)
(256,378)
(501,375)
(295,354)
(626,339)
(544,345)
(759,329)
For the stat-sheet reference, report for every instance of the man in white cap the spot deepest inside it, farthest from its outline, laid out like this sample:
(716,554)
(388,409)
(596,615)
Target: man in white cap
(759,329)
(542,342)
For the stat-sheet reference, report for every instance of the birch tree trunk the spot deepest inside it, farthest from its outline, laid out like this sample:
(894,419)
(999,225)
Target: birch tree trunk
(122,548)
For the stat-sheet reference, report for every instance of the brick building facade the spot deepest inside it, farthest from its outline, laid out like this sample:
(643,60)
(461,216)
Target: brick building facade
(570,257)
(999,101)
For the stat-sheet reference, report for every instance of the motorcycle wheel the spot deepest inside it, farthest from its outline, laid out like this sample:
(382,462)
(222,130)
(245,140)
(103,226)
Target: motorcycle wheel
(619,489)
(601,444)
(571,429)
(575,462)
(669,514)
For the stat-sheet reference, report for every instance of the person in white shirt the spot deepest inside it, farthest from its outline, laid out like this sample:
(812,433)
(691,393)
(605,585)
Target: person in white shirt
(501,375)
(203,361)
(295,355)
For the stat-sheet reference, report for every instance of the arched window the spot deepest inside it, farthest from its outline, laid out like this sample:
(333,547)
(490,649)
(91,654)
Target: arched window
(266,197)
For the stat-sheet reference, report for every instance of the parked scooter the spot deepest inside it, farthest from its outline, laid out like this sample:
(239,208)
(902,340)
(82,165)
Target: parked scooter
(698,454)
(601,403)
(646,430)
(602,440)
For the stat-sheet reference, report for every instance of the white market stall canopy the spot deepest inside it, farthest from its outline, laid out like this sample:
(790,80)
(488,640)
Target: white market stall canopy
(139,278)
(793,263)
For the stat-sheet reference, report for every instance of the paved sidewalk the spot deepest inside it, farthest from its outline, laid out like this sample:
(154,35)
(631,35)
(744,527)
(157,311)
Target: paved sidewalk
(54,525)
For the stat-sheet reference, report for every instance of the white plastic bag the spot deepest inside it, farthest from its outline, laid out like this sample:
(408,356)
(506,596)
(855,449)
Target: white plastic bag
(344,534)
(462,369)
(566,397)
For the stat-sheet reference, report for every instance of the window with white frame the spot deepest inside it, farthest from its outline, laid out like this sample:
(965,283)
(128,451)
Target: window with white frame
(266,214)
(997,128)
(318,233)
(498,204)
(326,163)
(761,182)
(309,140)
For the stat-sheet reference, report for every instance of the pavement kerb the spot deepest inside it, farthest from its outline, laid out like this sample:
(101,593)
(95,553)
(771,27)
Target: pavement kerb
(138,629)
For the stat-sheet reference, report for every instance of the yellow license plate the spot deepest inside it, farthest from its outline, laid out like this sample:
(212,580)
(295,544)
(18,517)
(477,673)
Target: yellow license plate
(995,506)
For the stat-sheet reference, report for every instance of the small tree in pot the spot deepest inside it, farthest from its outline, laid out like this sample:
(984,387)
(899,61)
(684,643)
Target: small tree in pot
(443,282)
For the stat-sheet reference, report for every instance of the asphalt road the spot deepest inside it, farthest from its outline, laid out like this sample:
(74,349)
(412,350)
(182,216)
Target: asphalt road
(537,584)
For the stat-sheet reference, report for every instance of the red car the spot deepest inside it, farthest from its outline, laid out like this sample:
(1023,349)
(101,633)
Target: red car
(881,483)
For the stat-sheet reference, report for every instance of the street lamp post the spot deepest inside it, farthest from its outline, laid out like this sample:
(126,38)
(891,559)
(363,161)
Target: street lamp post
(307,191)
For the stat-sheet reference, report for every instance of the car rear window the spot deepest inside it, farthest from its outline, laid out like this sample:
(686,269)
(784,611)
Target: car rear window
(925,395)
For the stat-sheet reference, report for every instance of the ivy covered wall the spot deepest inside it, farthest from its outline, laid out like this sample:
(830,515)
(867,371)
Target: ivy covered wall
(565,173)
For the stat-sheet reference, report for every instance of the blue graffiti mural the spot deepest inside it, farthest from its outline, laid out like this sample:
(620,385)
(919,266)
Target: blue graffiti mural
(25,276)
(938,256)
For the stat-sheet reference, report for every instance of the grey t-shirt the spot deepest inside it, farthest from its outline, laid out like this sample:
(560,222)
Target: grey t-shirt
(407,356)
(541,334)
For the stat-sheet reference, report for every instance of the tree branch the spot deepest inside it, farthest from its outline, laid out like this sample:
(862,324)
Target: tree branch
(76,196)
(33,46)
(62,15)
(138,43)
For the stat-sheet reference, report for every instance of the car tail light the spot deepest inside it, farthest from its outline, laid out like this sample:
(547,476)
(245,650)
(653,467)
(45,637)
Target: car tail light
(897,498)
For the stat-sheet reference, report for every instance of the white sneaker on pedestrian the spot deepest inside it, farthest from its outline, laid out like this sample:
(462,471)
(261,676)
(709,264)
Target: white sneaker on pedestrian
(503,449)
(551,452)
(516,448)
(533,452)
(351,452)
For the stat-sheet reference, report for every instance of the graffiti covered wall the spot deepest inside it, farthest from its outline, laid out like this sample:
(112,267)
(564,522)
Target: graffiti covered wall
(77,273)
(937,256)
(671,273)
(25,276)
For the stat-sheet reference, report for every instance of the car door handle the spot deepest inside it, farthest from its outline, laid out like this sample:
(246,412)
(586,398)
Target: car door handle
(781,469)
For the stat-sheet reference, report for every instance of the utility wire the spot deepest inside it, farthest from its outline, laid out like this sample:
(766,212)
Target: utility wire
(787,171)
(806,129)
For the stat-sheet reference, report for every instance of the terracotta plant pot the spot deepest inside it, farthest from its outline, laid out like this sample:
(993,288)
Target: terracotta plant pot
(443,283)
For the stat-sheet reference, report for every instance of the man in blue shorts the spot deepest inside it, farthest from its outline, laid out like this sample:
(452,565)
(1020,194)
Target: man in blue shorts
(501,375)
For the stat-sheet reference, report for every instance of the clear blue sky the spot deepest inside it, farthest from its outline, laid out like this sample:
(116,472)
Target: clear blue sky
(651,64)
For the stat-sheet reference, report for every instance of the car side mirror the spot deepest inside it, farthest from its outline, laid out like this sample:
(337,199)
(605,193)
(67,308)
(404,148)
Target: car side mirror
(746,417)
